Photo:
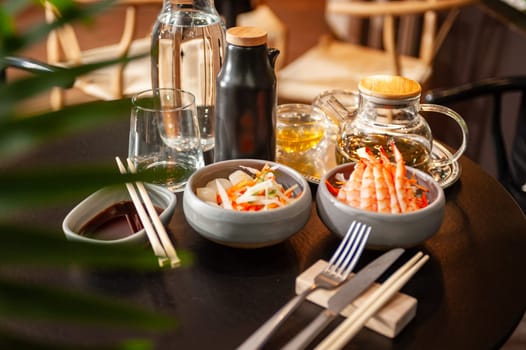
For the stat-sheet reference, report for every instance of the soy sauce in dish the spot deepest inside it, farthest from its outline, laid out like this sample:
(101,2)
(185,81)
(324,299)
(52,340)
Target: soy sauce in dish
(115,222)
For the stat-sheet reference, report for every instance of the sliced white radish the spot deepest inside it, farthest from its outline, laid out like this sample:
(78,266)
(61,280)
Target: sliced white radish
(224,197)
(206,194)
(225,183)
(239,176)
(248,196)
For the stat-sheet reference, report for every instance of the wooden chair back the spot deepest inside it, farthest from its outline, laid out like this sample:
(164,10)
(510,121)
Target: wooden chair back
(64,48)
(408,27)
(387,37)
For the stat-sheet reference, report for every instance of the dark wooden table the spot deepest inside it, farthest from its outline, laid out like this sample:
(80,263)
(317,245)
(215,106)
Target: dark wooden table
(471,294)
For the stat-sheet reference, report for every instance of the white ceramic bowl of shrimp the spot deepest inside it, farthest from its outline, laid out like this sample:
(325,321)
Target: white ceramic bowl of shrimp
(388,230)
(246,229)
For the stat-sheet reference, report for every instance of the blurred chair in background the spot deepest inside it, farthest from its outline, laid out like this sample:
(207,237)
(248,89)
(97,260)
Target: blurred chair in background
(263,17)
(230,9)
(511,166)
(64,48)
(126,79)
(372,37)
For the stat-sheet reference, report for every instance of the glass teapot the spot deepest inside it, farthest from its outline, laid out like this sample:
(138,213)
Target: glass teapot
(388,109)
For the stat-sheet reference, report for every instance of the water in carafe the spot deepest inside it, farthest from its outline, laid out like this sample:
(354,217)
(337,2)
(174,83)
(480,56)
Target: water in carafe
(187,53)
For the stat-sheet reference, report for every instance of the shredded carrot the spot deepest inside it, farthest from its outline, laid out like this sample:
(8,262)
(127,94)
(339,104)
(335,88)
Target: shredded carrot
(259,192)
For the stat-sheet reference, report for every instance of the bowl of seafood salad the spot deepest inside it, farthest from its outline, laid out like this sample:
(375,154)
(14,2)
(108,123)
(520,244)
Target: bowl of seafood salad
(249,189)
(247,203)
(403,205)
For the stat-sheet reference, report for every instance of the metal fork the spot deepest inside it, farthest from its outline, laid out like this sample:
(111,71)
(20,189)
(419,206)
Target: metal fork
(338,269)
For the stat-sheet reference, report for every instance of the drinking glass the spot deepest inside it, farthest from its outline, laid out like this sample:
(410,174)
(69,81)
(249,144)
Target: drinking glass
(299,127)
(164,135)
(302,139)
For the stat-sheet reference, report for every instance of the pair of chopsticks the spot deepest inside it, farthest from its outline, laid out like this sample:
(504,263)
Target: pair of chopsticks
(348,328)
(159,240)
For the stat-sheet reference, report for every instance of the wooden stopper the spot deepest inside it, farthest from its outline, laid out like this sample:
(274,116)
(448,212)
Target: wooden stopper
(246,36)
(389,86)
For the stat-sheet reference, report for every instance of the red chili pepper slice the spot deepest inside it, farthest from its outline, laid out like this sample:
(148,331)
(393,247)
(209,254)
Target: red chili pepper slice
(332,189)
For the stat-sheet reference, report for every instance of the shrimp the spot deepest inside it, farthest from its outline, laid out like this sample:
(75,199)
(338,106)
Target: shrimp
(381,190)
(404,192)
(383,202)
(377,184)
(385,159)
(389,180)
(386,168)
(368,189)
(350,192)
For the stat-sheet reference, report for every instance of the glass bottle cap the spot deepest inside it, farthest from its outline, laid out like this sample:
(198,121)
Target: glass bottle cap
(246,36)
(389,87)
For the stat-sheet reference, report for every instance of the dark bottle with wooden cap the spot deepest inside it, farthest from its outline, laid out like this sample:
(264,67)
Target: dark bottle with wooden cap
(246,100)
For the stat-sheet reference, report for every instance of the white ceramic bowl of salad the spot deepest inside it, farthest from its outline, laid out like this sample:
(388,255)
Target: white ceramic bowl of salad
(251,220)
(388,230)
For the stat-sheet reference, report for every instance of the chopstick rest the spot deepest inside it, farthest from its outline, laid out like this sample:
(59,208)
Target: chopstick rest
(388,321)
(339,337)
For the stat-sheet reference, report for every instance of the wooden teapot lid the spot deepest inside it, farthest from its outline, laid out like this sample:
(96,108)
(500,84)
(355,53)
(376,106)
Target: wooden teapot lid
(389,86)
(246,36)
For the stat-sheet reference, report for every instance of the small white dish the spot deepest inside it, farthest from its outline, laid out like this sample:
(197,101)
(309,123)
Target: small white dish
(105,198)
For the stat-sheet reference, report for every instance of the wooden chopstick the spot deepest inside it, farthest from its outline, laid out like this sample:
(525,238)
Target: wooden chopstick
(159,240)
(161,231)
(348,328)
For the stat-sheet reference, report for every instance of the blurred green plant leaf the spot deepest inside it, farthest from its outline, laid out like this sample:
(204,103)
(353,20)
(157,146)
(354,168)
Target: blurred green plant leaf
(32,246)
(12,41)
(10,341)
(39,302)
(19,90)
(27,187)
(46,186)
(19,135)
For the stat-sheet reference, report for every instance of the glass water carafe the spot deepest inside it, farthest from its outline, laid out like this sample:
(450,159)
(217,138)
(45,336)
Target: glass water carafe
(187,53)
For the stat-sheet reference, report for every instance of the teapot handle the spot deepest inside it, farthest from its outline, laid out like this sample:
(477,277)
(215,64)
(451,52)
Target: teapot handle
(461,123)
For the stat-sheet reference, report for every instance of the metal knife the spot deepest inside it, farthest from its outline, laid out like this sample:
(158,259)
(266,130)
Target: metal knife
(343,297)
